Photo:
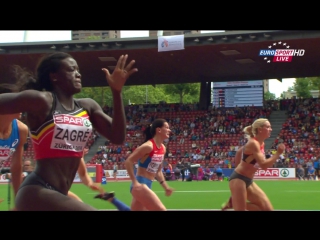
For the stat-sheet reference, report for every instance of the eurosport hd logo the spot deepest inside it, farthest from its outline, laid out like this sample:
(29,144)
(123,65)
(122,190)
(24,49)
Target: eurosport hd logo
(280,53)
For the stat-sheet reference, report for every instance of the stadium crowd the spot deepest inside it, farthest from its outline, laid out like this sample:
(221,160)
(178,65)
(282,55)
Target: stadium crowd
(211,137)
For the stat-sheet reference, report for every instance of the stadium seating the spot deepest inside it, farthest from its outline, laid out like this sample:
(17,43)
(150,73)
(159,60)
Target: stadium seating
(180,117)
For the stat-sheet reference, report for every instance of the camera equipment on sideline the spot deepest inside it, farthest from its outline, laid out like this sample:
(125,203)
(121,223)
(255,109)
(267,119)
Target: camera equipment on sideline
(193,169)
(5,170)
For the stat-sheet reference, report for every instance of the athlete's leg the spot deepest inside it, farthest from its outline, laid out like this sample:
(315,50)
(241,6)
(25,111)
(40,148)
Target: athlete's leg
(117,203)
(257,197)
(38,198)
(228,205)
(238,194)
(147,198)
(137,206)
(72,195)
(252,207)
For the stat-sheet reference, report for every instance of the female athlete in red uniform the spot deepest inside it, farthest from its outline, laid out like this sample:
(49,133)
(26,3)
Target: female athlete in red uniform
(150,157)
(60,127)
(241,180)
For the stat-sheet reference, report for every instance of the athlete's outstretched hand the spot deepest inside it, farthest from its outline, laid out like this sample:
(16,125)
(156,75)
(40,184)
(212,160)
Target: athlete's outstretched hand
(85,151)
(96,187)
(120,74)
(281,148)
(169,191)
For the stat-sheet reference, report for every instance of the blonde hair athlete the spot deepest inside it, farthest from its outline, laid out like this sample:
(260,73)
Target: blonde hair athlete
(241,182)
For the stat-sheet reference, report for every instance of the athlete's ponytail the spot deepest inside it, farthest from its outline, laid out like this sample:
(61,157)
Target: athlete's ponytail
(25,80)
(40,81)
(150,130)
(252,130)
(8,88)
(147,133)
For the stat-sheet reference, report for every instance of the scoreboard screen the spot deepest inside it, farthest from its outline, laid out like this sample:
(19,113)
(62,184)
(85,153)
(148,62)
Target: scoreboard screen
(237,93)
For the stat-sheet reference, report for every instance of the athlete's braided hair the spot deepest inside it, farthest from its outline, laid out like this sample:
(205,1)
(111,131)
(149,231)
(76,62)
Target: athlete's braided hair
(8,88)
(40,81)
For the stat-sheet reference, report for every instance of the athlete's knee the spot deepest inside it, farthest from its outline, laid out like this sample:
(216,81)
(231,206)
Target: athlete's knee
(162,208)
(239,203)
(263,203)
(266,205)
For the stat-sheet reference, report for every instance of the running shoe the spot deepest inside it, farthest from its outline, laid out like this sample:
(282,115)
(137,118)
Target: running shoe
(105,196)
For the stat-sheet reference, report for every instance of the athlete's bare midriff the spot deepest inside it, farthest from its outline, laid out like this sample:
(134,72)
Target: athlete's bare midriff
(246,169)
(142,172)
(58,172)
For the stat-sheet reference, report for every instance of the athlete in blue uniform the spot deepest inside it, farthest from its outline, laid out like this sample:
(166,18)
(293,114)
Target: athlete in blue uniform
(13,136)
(150,157)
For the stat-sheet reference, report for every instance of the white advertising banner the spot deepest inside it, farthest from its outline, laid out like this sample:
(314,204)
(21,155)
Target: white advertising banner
(276,173)
(120,174)
(170,43)
(77,178)
(3,178)
(34,36)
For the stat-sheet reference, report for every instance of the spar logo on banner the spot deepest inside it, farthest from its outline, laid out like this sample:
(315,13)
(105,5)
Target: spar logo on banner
(284,172)
(275,173)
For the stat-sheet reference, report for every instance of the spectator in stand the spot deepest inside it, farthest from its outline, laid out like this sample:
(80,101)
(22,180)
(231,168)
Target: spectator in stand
(300,172)
(207,173)
(181,166)
(219,173)
(316,166)
(311,173)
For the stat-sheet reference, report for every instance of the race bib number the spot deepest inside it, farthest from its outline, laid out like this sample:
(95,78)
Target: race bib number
(153,167)
(71,133)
